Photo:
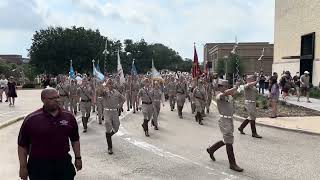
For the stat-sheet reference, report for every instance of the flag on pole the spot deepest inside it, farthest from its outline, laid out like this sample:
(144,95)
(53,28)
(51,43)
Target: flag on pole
(155,75)
(96,73)
(120,70)
(71,72)
(196,67)
(98,66)
(133,69)
(105,52)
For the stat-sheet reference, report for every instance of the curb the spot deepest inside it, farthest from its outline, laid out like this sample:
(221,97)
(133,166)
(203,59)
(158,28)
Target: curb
(12,121)
(241,119)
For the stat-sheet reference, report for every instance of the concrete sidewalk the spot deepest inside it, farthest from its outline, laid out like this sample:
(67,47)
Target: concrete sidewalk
(309,125)
(27,102)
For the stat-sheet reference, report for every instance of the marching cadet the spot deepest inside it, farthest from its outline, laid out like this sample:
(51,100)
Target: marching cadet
(135,87)
(92,83)
(127,87)
(158,99)
(121,88)
(172,92)
(209,90)
(181,91)
(99,96)
(199,96)
(112,101)
(64,91)
(144,95)
(226,109)
(73,96)
(250,94)
(85,93)
(192,99)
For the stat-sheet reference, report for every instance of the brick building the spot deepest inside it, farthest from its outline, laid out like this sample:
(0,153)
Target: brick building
(297,23)
(16,59)
(249,54)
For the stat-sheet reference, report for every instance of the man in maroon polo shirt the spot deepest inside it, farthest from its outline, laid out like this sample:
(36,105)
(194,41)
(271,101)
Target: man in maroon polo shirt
(43,142)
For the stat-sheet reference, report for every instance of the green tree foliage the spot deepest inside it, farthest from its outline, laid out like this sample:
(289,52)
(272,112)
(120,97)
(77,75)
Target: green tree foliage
(52,49)
(29,72)
(220,68)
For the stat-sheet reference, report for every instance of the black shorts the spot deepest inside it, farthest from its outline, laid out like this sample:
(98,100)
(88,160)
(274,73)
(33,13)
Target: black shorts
(304,89)
(61,169)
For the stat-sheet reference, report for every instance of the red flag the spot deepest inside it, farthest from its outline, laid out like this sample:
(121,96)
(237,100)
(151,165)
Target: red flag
(196,67)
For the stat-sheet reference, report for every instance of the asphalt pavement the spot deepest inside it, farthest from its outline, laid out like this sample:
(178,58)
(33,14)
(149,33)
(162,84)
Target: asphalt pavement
(178,151)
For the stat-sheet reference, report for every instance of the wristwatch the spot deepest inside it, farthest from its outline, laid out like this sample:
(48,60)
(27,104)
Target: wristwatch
(78,158)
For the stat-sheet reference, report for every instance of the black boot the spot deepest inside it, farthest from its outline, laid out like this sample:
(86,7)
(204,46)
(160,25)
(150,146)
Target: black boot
(75,112)
(109,142)
(213,148)
(200,118)
(254,130)
(145,127)
(243,125)
(119,112)
(232,160)
(196,117)
(84,123)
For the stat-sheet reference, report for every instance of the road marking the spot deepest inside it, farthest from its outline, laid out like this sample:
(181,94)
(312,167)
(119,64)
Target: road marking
(122,133)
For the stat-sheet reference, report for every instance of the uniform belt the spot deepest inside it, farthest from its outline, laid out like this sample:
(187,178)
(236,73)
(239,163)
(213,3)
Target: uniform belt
(146,102)
(110,109)
(85,100)
(180,92)
(63,95)
(156,100)
(228,117)
(250,101)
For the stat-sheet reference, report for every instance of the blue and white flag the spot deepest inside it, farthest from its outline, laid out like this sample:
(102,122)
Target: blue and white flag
(71,71)
(155,75)
(98,67)
(133,69)
(120,70)
(97,73)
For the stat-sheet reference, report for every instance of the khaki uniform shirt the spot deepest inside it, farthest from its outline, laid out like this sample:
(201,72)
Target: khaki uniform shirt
(172,88)
(250,93)
(112,99)
(225,105)
(63,89)
(85,93)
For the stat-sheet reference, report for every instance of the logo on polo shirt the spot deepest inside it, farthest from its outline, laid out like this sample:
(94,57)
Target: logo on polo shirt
(64,122)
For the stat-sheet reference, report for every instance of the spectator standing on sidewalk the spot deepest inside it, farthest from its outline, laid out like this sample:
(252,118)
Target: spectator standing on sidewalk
(43,142)
(274,97)
(262,79)
(305,85)
(296,81)
(3,87)
(285,85)
(12,91)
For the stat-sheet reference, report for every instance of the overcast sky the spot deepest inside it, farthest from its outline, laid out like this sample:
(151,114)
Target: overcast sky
(175,23)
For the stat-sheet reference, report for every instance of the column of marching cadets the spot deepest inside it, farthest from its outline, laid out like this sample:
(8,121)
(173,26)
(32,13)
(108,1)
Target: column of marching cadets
(147,95)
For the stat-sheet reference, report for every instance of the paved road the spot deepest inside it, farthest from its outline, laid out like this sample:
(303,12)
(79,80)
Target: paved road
(27,101)
(177,151)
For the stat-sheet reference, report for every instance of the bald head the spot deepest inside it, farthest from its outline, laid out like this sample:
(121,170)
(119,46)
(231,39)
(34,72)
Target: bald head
(48,92)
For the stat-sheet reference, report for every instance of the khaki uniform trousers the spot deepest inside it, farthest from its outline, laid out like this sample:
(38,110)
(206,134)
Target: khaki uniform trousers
(251,110)
(226,128)
(100,108)
(156,110)
(111,120)
(147,111)
(85,108)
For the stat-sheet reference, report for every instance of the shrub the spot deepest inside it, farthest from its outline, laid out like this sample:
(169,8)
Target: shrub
(315,92)
(29,85)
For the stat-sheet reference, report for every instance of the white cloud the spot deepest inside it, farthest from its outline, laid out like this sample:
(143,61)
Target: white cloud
(177,23)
